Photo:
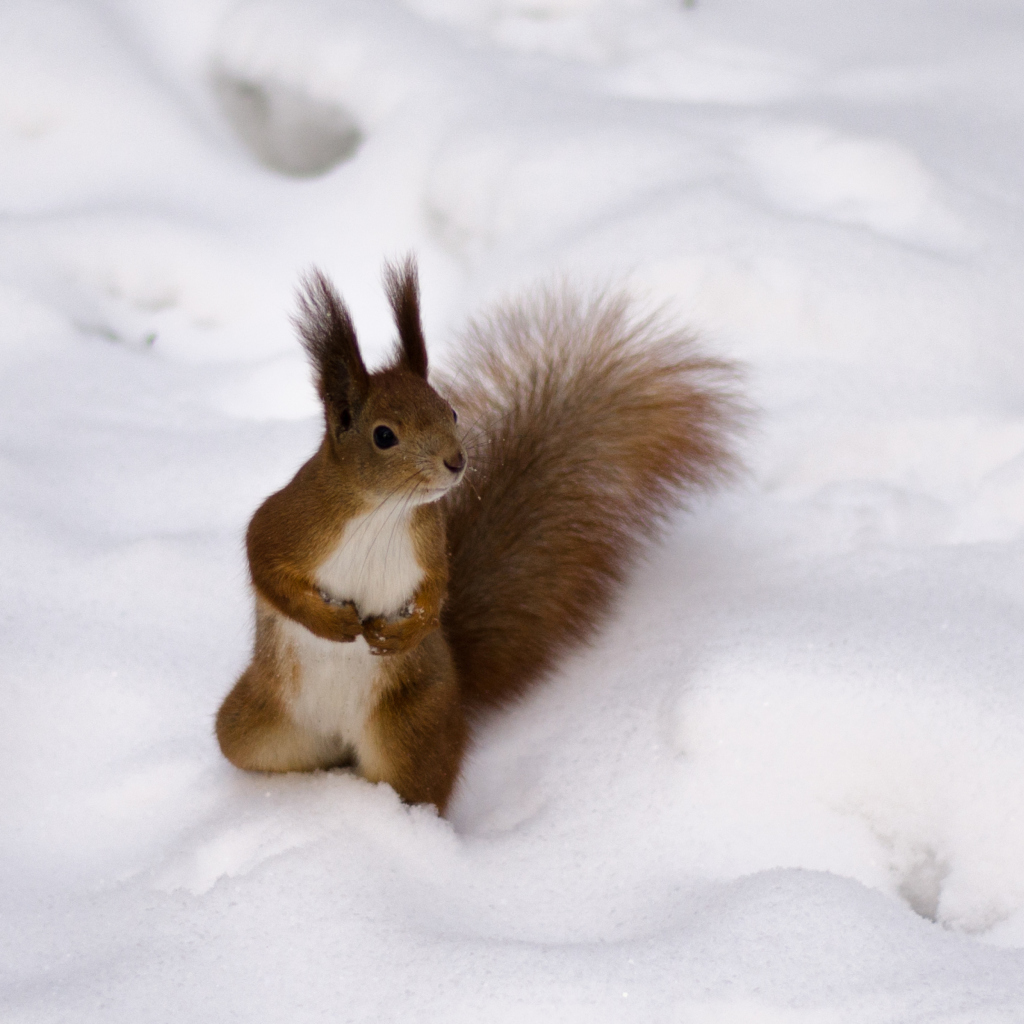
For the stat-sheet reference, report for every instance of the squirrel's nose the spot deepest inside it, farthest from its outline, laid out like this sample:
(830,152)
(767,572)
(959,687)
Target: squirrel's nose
(458,463)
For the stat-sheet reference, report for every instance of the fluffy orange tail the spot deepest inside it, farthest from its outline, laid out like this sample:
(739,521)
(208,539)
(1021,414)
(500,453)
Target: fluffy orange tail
(586,425)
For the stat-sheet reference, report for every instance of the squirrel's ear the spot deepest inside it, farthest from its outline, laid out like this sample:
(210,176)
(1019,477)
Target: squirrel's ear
(329,338)
(403,288)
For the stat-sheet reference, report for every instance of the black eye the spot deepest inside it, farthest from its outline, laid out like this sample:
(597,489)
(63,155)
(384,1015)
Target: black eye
(384,437)
(455,416)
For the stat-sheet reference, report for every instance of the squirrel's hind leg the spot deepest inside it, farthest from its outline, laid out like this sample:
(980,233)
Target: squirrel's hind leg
(415,738)
(256,733)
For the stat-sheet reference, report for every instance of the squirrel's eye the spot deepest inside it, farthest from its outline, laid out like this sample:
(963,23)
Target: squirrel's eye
(455,416)
(384,437)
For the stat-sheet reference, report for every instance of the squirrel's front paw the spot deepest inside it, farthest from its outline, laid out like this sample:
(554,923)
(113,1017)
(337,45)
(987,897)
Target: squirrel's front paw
(345,624)
(392,636)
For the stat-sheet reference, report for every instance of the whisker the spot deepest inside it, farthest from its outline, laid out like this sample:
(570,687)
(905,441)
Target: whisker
(393,513)
(398,522)
(357,535)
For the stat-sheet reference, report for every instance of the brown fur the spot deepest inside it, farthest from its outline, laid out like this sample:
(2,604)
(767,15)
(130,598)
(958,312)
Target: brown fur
(585,425)
(590,425)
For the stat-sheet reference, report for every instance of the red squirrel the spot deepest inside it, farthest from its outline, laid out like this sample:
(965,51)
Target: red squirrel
(402,586)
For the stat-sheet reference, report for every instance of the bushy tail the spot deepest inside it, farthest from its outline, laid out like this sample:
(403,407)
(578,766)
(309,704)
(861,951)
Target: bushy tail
(585,425)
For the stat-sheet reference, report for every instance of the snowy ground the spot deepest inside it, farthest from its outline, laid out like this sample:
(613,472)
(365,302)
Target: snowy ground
(787,786)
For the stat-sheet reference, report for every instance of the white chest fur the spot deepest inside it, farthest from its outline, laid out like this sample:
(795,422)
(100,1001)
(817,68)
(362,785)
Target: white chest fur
(374,565)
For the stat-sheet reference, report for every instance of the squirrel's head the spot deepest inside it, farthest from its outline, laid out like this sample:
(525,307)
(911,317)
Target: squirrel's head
(390,432)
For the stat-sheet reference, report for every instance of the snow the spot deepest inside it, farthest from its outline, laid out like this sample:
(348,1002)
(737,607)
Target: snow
(786,786)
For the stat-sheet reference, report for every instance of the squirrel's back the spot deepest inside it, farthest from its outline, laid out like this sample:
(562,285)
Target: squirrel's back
(586,425)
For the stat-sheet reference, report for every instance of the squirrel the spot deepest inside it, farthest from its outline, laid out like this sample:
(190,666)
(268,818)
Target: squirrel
(437,555)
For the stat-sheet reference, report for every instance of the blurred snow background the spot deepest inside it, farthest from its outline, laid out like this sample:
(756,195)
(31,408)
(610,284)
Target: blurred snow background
(787,786)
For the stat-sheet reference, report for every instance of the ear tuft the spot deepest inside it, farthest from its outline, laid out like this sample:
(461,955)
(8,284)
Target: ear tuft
(326,331)
(402,285)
